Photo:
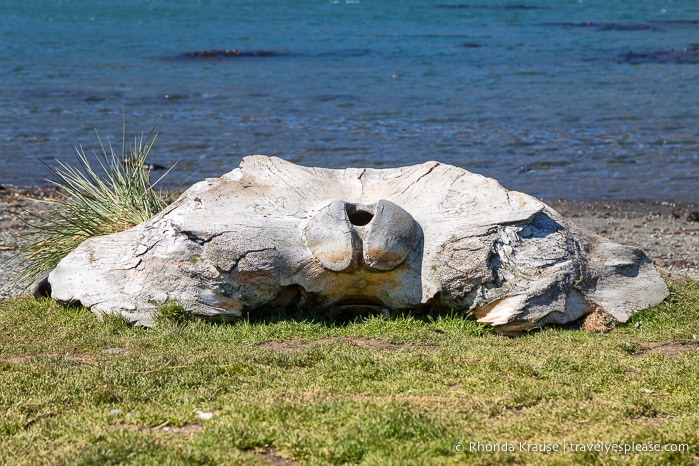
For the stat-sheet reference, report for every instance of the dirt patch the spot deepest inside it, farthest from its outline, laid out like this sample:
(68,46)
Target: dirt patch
(290,346)
(17,359)
(188,429)
(118,351)
(33,421)
(669,348)
(650,421)
(132,427)
(82,359)
(378,344)
(273,458)
(414,400)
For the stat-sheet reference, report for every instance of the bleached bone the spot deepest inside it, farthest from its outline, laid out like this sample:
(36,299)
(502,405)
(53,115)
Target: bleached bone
(271,233)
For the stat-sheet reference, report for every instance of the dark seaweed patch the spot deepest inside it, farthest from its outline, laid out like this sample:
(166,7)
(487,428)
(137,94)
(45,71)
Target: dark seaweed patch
(678,22)
(687,55)
(75,94)
(345,53)
(335,97)
(236,53)
(232,53)
(604,26)
(463,6)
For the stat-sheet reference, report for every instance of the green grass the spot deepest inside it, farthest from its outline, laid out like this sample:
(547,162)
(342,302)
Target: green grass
(398,390)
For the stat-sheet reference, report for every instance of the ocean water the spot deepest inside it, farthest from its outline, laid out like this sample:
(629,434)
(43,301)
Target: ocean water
(583,100)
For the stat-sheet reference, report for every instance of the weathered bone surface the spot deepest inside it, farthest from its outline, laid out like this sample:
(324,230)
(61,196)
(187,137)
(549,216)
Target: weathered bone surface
(272,233)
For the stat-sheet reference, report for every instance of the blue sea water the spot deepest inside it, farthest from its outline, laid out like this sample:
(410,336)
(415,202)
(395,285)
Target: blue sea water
(527,93)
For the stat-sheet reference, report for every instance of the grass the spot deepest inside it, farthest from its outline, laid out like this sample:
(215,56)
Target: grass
(105,193)
(396,390)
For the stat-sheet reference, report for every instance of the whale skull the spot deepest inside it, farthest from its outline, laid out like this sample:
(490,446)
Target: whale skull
(274,234)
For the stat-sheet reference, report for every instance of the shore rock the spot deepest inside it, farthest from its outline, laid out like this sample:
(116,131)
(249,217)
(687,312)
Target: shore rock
(354,241)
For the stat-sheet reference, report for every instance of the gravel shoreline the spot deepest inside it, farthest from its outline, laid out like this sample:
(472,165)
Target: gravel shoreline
(667,232)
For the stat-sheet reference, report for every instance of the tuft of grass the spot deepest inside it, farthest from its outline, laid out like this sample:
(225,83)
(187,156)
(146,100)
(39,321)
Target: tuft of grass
(172,311)
(380,390)
(107,192)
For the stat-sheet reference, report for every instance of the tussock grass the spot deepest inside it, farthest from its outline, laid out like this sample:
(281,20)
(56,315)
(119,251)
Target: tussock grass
(397,390)
(107,192)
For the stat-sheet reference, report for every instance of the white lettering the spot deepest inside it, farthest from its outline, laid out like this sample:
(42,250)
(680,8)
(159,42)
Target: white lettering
(598,447)
(490,447)
(538,447)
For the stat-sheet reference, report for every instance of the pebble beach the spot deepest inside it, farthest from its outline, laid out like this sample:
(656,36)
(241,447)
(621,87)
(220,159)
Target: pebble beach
(667,232)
